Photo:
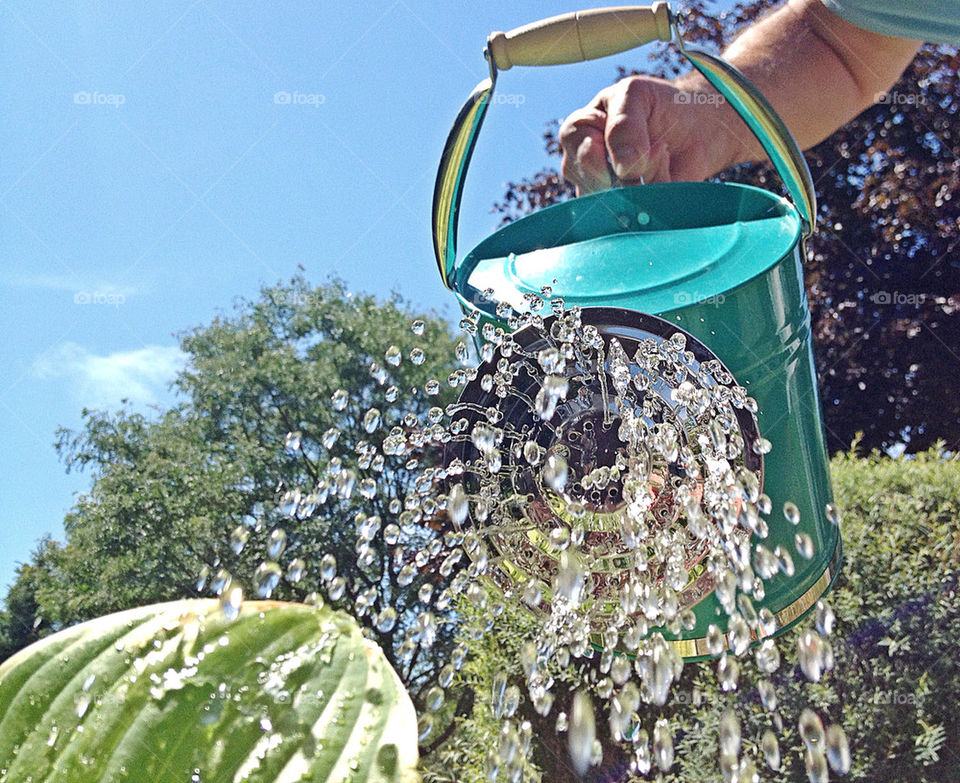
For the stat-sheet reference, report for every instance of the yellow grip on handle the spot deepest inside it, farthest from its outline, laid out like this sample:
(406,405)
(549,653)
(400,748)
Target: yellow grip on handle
(580,35)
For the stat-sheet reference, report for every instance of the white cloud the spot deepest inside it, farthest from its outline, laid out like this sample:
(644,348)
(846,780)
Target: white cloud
(141,376)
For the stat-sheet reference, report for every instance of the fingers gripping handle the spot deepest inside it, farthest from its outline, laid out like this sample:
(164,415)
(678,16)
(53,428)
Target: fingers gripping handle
(586,35)
(580,35)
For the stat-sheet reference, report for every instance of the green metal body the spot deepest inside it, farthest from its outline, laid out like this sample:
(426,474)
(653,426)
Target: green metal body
(722,262)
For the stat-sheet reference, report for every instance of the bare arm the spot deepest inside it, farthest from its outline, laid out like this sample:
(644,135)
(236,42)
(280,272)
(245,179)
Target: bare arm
(817,70)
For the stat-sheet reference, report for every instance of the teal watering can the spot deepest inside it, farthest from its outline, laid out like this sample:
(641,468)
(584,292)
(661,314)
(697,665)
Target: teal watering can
(719,262)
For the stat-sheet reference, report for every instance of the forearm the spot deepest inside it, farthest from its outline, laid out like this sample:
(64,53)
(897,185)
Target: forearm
(817,70)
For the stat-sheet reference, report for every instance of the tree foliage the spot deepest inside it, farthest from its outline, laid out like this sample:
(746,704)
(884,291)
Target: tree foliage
(202,486)
(883,269)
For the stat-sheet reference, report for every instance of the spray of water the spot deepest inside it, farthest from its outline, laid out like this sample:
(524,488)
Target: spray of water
(602,472)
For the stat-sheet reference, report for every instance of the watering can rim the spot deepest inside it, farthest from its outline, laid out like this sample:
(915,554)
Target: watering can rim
(656,22)
(465,266)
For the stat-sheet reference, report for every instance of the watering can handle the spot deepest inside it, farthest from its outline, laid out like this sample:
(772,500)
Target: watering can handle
(586,35)
(580,35)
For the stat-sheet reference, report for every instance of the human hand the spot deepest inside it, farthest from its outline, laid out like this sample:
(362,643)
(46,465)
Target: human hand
(650,130)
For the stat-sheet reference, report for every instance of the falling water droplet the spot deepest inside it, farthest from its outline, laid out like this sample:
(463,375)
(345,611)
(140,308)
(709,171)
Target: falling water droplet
(276,543)
(768,695)
(328,567)
(339,400)
(221,581)
(531,452)
(811,730)
(555,472)
(239,539)
(768,657)
(457,505)
(336,588)
(785,560)
(838,749)
(82,703)
(498,692)
(386,619)
(663,744)
(571,578)
(825,618)
(728,672)
(371,420)
(425,728)
(484,438)
(716,641)
(368,488)
(582,732)
(435,698)
(771,749)
(231,600)
(833,514)
(418,327)
(295,570)
(729,733)
(266,578)
(816,764)
(811,655)
(511,700)
(393,356)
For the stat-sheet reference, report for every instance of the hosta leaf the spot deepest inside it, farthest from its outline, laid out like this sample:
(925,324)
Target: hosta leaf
(177,692)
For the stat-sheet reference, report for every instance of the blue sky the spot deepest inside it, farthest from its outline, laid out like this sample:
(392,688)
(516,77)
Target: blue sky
(149,176)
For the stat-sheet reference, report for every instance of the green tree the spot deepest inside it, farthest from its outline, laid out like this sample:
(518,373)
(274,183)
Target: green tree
(21,621)
(210,483)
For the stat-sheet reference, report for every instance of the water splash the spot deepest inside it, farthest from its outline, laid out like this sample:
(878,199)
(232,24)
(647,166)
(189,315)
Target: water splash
(605,477)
